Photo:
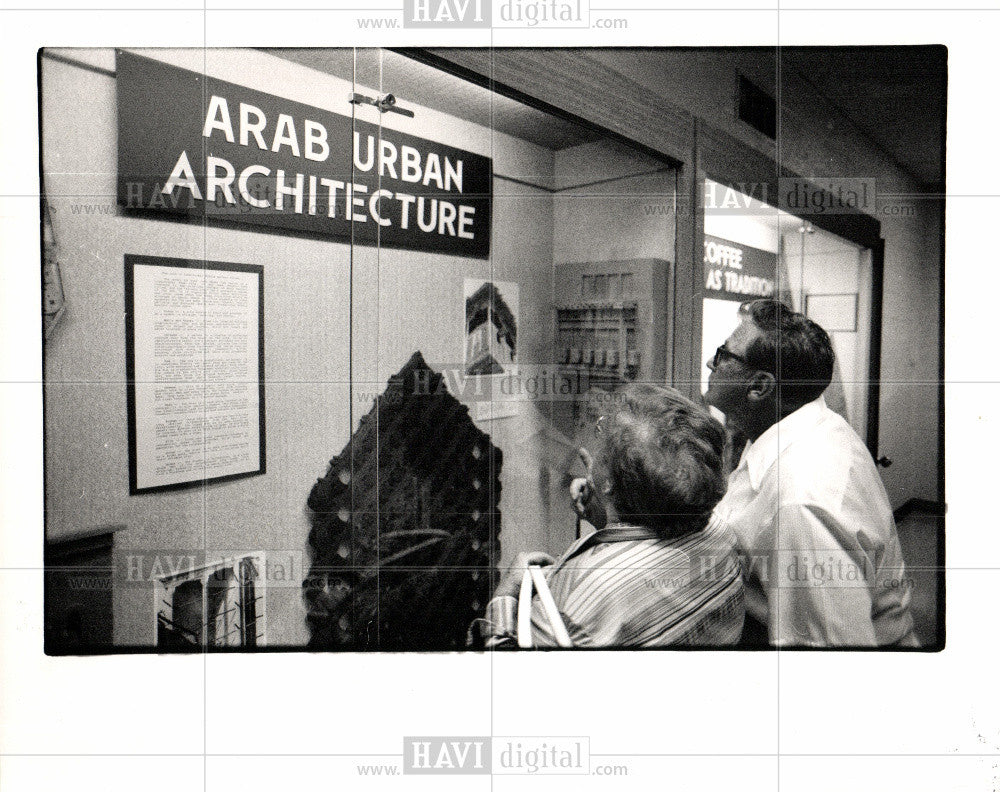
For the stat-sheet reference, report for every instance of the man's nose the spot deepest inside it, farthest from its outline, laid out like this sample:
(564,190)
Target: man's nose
(710,364)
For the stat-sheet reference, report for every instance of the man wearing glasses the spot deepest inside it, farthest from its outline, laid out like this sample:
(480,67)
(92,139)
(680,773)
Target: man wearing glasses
(817,540)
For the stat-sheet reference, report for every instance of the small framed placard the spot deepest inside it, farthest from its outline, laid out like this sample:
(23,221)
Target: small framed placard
(194,360)
(835,313)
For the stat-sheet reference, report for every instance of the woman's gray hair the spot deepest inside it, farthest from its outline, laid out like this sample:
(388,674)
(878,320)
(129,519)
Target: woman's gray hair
(664,457)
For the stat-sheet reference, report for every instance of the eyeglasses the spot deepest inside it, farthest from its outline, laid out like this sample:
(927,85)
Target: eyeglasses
(722,353)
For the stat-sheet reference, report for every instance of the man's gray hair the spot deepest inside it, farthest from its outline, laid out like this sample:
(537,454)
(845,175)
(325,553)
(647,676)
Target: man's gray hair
(792,347)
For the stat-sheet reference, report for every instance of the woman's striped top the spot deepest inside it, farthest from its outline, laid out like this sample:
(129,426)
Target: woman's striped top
(615,590)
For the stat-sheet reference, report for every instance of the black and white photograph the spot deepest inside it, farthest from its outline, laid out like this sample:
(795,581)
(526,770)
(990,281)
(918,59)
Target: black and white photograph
(427,379)
(490,327)
(726,448)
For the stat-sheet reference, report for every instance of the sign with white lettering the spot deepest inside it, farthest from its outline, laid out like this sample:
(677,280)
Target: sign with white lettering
(197,146)
(738,272)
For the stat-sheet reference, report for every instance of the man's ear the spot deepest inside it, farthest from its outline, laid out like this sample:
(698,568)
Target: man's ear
(761,386)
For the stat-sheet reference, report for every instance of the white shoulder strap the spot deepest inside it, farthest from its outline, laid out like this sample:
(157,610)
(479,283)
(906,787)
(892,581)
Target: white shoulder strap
(533,578)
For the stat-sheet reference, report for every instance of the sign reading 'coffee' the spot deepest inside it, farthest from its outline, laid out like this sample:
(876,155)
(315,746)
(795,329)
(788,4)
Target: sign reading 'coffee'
(738,272)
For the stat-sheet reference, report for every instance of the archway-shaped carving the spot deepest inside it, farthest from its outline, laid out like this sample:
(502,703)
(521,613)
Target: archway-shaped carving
(405,524)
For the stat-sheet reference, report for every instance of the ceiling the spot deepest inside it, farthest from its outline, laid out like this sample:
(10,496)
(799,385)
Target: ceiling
(894,95)
(417,83)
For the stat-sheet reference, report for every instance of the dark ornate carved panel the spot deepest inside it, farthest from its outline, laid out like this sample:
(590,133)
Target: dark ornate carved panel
(405,524)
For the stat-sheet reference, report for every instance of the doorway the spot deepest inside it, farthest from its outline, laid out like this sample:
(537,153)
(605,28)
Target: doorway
(757,250)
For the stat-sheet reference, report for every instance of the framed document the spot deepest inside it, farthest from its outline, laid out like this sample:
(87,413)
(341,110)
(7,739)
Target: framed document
(836,313)
(194,365)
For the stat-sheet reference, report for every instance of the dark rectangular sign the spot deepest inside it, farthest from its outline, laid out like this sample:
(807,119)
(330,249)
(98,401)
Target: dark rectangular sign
(738,272)
(196,146)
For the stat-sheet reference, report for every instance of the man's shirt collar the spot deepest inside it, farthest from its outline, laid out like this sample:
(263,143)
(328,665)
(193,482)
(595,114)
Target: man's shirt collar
(759,456)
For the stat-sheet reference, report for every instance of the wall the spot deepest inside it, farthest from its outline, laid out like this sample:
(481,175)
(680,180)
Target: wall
(615,205)
(403,301)
(306,343)
(817,141)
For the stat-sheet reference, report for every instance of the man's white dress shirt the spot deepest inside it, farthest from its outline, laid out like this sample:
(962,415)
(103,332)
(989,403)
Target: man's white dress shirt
(816,536)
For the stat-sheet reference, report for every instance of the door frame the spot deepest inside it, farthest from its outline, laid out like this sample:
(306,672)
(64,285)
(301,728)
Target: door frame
(875,347)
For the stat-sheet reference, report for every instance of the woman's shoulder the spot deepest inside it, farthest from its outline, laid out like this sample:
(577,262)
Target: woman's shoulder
(716,533)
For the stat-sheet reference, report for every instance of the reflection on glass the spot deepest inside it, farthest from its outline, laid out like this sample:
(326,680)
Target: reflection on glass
(533,339)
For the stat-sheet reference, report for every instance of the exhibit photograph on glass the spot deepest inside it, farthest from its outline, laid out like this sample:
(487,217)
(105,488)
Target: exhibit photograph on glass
(543,370)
